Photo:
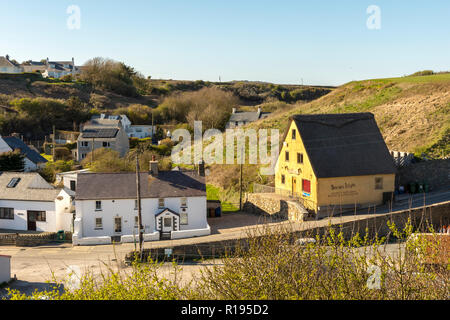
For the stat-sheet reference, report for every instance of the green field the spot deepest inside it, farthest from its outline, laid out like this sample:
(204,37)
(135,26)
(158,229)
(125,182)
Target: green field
(215,193)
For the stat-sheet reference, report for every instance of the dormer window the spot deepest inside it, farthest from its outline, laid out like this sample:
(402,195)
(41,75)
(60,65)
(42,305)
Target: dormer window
(13,183)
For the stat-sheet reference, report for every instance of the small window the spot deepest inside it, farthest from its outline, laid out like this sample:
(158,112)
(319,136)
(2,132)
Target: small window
(287,155)
(85,144)
(167,222)
(294,134)
(161,203)
(236,124)
(6,213)
(283,179)
(98,223)
(300,158)
(73,185)
(184,218)
(378,183)
(98,205)
(136,222)
(106,144)
(13,183)
(41,216)
(183,202)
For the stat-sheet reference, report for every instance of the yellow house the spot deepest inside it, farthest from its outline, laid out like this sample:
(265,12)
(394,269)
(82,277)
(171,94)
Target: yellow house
(335,161)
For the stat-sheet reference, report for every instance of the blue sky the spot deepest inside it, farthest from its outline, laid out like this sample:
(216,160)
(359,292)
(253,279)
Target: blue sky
(322,42)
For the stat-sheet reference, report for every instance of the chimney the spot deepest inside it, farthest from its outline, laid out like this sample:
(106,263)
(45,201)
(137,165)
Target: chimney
(234,110)
(153,167)
(259,111)
(7,57)
(201,168)
(73,61)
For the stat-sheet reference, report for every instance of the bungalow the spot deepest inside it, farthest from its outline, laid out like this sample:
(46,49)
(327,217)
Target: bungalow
(33,160)
(335,161)
(239,119)
(173,206)
(133,131)
(28,202)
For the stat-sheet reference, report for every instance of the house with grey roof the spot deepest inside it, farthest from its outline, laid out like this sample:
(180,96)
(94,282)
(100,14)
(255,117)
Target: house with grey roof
(33,160)
(29,203)
(101,133)
(9,66)
(239,119)
(173,206)
(59,69)
(133,131)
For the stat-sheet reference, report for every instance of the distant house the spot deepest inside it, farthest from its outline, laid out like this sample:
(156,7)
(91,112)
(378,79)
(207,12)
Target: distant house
(33,160)
(28,202)
(34,66)
(101,133)
(173,206)
(334,161)
(239,119)
(59,69)
(69,179)
(8,66)
(133,131)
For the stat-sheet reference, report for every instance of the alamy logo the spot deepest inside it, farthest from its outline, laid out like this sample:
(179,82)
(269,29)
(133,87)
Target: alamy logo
(214,147)
(374,20)
(74,20)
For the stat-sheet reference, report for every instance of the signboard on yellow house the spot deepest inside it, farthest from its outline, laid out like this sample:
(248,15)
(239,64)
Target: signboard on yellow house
(335,161)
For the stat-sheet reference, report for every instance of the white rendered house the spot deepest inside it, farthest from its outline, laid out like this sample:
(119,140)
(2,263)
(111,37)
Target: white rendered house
(29,203)
(33,160)
(173,206)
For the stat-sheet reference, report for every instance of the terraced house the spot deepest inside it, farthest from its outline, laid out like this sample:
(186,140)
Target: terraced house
(335,161)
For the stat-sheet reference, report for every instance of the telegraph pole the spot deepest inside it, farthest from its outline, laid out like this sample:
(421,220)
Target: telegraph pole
(138,188)
(54,140)
(240,180)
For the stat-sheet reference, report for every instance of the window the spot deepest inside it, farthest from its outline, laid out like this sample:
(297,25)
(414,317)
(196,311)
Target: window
(98,205)
(300,158)
(184,218)
(13,183)
(287,155)
(306,186)
(378,183)
(135,204)
(136,222)
(161,203)
(73,184)
(41,216)
(236,124)
(183,202)
(106,144)
(7,213)
(83,155)
(84,143)
(294,134)
(283,179)
(98,223)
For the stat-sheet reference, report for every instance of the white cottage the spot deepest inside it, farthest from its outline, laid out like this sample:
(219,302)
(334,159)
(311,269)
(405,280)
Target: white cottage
(173,206)
(29,203)
(33,160)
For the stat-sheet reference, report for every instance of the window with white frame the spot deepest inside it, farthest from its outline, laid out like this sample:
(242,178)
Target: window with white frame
(184,218)
(6,213)
(98,205)
(98,223)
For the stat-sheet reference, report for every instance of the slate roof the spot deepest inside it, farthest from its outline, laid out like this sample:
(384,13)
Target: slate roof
(6,63)
(248,116)
(168,184)
(340,145)
(16,143)
(99,133)
(31,187)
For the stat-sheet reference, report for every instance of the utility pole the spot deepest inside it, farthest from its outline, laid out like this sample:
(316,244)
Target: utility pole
(92,152)
(138,188)
(240,180)
(53,143)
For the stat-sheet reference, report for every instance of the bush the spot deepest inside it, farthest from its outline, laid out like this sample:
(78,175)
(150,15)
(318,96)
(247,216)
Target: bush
(62,153)
(12,161)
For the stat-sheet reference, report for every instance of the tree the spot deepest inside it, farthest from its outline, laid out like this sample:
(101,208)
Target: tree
(12,161)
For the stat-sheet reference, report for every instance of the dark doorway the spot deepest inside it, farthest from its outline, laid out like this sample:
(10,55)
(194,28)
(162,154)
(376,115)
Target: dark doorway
(31,218)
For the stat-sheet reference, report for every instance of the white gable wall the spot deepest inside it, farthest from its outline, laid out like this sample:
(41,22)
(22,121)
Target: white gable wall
(20,215)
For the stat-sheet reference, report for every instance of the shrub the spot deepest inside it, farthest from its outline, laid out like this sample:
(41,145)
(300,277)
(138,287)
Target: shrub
(12,161)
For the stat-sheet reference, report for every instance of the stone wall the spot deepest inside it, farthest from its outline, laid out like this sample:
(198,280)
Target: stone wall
(436,214)
(435,172)
(32,240)
(271,204)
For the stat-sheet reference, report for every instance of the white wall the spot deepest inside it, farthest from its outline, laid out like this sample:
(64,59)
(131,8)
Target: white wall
(63,206)
(86,213)
(20,215)
(5,269)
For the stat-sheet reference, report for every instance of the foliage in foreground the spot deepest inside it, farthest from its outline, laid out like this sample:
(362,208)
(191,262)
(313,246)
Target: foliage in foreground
(277,266)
